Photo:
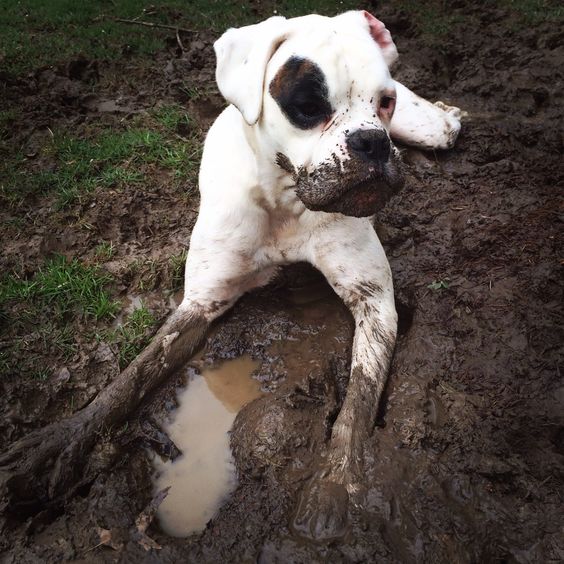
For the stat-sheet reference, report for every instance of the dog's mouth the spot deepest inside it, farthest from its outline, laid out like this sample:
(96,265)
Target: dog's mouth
(354,191)
(362,199)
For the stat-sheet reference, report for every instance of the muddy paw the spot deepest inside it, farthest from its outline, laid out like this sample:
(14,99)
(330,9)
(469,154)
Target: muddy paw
(322,512)
(48,462)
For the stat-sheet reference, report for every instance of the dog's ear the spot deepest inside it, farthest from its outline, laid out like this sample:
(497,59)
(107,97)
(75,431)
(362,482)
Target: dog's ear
(242,55)
(382,36)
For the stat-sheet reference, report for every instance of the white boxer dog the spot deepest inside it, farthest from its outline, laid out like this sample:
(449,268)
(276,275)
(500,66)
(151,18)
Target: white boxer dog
(292,171)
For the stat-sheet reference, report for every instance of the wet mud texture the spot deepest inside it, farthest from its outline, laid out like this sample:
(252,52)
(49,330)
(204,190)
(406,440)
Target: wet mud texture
(466,462)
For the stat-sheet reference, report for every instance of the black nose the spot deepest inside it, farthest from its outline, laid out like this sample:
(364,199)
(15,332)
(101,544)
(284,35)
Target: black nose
(370,144)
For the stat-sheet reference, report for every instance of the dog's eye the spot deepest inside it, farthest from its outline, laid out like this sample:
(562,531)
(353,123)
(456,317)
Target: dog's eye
(310,108)
(309,111)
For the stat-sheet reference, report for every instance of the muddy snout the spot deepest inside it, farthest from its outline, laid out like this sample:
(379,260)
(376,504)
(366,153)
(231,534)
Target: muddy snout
(375,162)
(370,145)
(362,184)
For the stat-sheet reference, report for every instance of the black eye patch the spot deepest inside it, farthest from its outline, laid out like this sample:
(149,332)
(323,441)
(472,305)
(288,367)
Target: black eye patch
(301,92)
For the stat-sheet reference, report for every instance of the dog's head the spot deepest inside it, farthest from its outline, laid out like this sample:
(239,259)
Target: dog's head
(320,96)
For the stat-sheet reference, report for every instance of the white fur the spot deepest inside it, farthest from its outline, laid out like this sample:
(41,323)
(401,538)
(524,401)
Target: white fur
(419,123)
(251,221)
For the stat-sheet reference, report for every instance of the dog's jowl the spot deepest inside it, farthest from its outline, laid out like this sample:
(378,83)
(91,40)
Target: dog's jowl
(293,170)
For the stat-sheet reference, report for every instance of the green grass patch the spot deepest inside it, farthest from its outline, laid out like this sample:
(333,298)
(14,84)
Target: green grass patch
(59,339)
(293,8)
(435,20)
(147,273)
(7,117)
(18,360)
(133,335)
(115,159)
(16,182)
(38,314)
(41,374)
(196,92)
(536,11)
(105,250)
(172,117)
(39,32)
(60,288)
(6,364)
(439,284)
(177,264)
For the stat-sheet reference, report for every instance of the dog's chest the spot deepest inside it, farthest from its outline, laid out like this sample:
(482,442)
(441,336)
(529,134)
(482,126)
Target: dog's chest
(289,235)
(285,238)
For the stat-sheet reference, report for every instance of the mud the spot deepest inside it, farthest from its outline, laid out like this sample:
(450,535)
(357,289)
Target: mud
(466,462)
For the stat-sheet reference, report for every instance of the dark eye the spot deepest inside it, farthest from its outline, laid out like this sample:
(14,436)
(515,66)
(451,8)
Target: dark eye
(310,108)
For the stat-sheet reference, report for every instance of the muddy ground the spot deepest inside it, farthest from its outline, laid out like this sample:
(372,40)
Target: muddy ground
(466,462)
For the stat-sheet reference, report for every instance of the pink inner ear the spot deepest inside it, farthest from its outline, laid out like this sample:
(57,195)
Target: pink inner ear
(378,31)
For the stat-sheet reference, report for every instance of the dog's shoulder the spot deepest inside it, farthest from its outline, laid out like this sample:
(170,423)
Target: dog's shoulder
(228,160)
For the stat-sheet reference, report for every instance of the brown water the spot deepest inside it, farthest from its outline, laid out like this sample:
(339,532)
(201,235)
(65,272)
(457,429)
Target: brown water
(204,476)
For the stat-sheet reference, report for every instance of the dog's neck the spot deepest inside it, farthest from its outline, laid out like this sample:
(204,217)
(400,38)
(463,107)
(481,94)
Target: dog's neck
(275,189)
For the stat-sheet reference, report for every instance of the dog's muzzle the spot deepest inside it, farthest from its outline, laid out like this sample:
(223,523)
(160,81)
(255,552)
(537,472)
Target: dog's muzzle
(361,185)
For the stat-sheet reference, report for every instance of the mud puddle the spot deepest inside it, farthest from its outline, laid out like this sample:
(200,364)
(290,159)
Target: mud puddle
(205,475)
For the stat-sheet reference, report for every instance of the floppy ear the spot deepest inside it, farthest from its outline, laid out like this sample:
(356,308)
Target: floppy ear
(382,36)
(242,55)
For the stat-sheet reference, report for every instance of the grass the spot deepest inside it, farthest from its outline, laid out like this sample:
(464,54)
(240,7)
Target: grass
(60,339)
(31,365)
(41,374)
(106,161)
(39,32)
(177,264)
(439,285)
(6,363)
(536,11)
(7,117)
(172,117)
(38,312)
(435,20)
(149,275)
(113,159)
(36,32)
(195,92)
(133,335)
(62,287)
(105,250)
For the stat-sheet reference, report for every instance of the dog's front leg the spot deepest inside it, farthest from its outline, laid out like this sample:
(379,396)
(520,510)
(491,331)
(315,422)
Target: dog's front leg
(353,261)
(49,462)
